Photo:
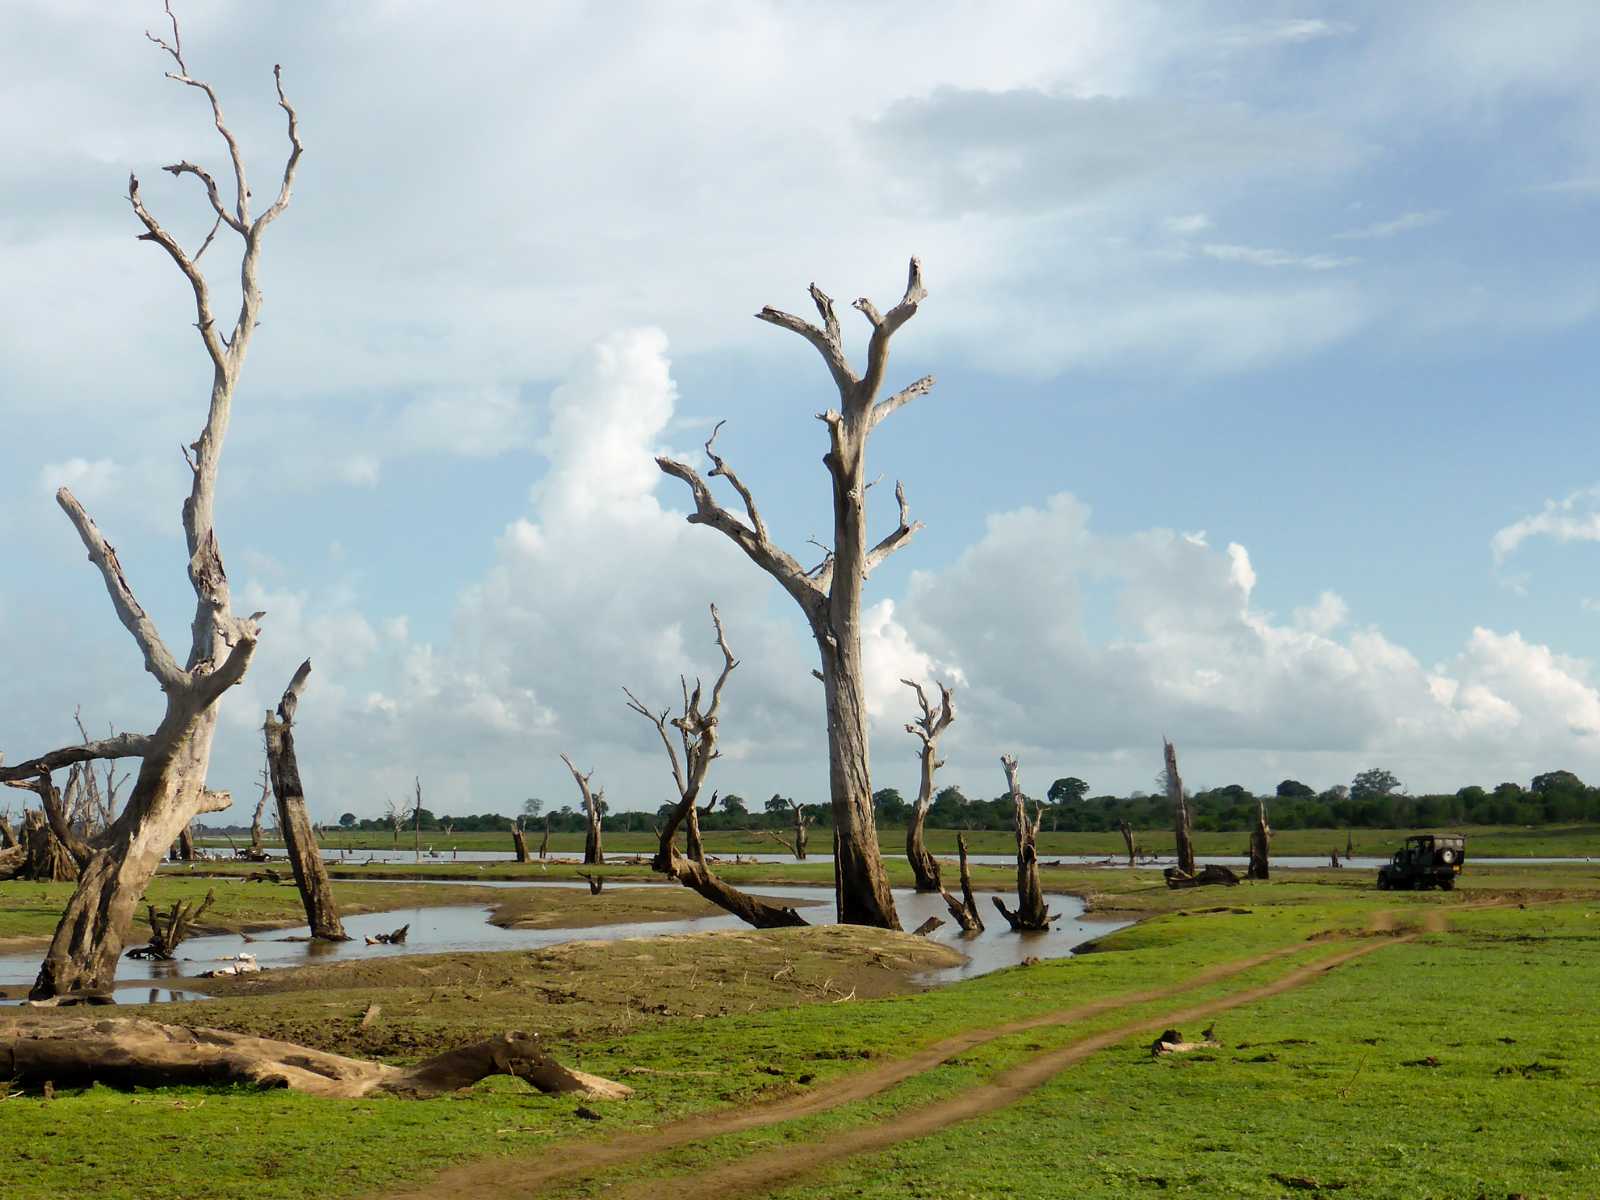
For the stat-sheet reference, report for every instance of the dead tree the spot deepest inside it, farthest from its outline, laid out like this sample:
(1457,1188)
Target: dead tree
(697,734)
(416,819)
(802,829)
(965,911)
(1182,830)
(593,854)
(1031,914)
(1127,839)
(310,872)
(258,849)
(829,594)
(926,729)
(544,842)
(186,844)
(8,837)
(696,847)
(519,841)
(395,814)
(135,1053)
(169,929)
(45,858)
(1260,844)
(170,789)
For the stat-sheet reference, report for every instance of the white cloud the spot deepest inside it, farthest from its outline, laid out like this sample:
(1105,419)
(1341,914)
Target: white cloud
(1576,518)
(1404,223)
(1185,225)
(89,480)
(1290,31)
(1257,256)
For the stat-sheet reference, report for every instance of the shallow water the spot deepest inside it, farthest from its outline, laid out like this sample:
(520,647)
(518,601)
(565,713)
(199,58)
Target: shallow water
(466,929)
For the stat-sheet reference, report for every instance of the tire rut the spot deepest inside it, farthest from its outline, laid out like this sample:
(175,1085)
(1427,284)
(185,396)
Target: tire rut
(517,1176)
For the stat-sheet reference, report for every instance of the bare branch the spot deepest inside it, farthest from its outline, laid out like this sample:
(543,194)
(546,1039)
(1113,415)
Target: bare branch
(729,662)
(903,534)
(123,745)
(905,395)
(205,320)
(295,150)
(158,659)
(660,722)
(211,684)
(181,75)
(186,167)
(774,561)
(884,327)
(720,467)
(826,339)
(55,813)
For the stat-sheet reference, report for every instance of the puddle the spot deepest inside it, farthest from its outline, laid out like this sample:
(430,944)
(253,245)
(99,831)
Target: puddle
(466,929)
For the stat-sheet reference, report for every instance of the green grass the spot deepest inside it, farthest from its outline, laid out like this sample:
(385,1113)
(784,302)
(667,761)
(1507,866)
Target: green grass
(1333,1101)
(1495,841)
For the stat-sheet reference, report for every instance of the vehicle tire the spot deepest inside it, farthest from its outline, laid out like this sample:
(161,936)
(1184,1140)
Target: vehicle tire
(1448,885)
(1447,857)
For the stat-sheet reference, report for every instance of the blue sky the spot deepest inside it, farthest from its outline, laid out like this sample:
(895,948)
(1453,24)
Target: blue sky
(1263,337)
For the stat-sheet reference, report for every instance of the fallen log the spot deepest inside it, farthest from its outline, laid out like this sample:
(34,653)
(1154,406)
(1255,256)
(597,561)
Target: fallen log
(397,938)
(1171,1042)
(1211,873)
(126,1052)
(928,926)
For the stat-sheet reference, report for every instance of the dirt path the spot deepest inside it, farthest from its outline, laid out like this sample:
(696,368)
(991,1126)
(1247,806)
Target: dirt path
(499,1178)
(763,1172)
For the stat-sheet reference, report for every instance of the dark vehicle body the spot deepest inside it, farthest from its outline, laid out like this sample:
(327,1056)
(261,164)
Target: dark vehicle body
(1428,860)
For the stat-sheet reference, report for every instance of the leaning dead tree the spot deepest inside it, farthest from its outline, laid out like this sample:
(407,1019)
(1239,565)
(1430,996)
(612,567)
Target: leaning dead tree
(965,910)
(310,872)
(1031,914)
(926,729)
(1182,830)
(592,852)
(135,1053)
(1260,844)
(696,734)
(829,594)
(170,788)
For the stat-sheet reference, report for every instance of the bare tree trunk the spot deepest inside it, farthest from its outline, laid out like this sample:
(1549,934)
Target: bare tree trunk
(1182,830)
(310,872)
(926,728)
(697,734)
(544,842)
(258,849)
(170,789)
(186,845)
(519,842)
(136,1053)
(593,854)
(802,830)
(1127,839)
(966,911)
(1031,914)
(416,820)
(45,856)
(830,594)
(1260,844)
(8,838)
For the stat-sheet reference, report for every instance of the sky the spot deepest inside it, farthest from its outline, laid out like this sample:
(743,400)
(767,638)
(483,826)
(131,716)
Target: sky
(1263,336)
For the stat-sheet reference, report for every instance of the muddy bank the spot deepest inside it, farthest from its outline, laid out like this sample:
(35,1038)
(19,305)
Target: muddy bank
(574,991)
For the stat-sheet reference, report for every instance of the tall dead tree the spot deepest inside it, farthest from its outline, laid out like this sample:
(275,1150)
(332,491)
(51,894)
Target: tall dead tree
(926,729)
(592,799)
(829,594)
(416,819)
(519,841)
(170,789)
(1183,830)
(1031,914)
(1260,844)
(697,735)
(310,872)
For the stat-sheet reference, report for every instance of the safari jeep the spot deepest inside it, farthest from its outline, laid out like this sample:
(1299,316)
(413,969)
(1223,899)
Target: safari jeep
(1428,860)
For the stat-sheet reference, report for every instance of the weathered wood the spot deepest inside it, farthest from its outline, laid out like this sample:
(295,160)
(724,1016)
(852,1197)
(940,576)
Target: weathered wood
(926,729)
(1183,831)
(965,911)
(397,938)
(697,733)
(519,841)
(1208,875)
(1031,914)
(928,926)
(170,787)
(830,594)
(593,853)
(595,882)
(258,849)
(544,842)
(168,931)
(1127,839)
(128,1053)
(283,767)
(1260,844)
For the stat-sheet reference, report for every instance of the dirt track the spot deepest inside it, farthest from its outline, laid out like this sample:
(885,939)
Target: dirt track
(497,1179)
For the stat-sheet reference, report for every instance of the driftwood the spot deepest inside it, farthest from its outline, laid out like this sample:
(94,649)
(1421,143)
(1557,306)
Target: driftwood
(593,854)
(397,938)
(697,735)
(928,926)
(965,910)
(1183,831)
(128,1053)
(1211,873)
(926,729)
(310,872)
(1260,844)
(1031,914)
(168,931)
(829,594)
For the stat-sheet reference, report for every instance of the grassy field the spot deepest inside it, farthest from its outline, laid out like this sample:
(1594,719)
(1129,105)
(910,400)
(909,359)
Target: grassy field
(1494,841)
(1450,1048)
